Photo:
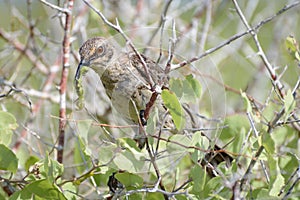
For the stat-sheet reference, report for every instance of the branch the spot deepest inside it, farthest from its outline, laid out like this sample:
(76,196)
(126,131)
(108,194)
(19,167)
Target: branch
(260,52)
(63,10)
(153,190)
(13,89)
(63,83)
(172,43)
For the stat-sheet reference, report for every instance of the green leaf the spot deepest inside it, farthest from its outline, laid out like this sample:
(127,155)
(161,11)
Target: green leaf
(16,196)
(194,84)
(238,125)
(289,104)
(52,168)
(276,179)
(43,189)
(128,143)
(82,151)
(106,153)
(81,158)
(2,197)
(8,160)
(129,160)
(263,194)
(176,86)
(130,180)
(8,123)
(191,89)
(70,191)
(172,103)
(212,185)
(83,129)
(268,143)
(30,161)
(187,90)
(178,143)
(199,178)
(200,141)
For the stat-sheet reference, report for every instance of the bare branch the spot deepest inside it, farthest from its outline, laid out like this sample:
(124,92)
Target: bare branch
(63,84)
(13,89)
(260,52)
(172,43)
(63,10)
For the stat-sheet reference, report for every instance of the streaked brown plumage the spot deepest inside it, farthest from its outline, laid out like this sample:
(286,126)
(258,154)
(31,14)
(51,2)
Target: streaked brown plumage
(122,75)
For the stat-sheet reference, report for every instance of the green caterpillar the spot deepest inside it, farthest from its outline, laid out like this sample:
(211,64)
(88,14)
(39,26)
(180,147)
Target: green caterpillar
(79,89)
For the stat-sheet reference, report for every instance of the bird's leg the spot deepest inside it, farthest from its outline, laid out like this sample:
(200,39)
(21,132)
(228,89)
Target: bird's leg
(140,138)
(142,118)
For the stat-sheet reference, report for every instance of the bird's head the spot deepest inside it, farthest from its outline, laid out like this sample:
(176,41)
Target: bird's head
(95,53)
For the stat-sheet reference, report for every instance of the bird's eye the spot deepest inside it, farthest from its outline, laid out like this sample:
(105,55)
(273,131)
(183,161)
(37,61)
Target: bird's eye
(100,50)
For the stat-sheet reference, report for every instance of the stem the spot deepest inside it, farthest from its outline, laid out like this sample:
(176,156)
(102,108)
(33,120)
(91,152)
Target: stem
(63,83)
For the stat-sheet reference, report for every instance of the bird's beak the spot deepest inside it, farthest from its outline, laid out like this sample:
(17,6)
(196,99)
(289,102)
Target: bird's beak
(77,75)
(81,64)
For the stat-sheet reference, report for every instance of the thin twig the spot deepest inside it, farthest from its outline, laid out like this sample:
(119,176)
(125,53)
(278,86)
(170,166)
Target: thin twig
(289,180)
(156,169)
(291,188)
(172,44)
(13,89)
(249,115)
(63,10)
(153,190)
(297,174)
(260,51)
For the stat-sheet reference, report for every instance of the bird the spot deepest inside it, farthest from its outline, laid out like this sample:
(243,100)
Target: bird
(130,85)
(126,81)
